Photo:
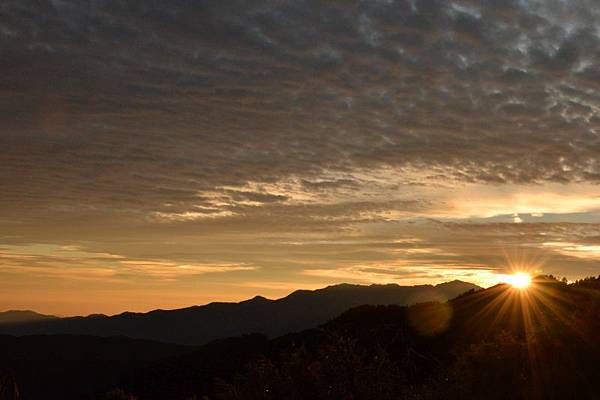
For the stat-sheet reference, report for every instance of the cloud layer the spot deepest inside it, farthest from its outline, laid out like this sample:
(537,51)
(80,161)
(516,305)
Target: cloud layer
(195,133)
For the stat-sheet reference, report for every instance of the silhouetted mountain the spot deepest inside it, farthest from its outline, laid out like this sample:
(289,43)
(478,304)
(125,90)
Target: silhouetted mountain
(497,343)
(300,310)
(19,316)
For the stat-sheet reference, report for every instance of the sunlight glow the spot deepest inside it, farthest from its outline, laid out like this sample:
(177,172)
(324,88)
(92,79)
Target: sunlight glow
(519,280)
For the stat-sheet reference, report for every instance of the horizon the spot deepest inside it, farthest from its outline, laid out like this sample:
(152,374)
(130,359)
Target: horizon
(162,154)
(143,311)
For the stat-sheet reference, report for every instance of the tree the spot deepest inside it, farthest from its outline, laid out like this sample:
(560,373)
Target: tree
(8,388)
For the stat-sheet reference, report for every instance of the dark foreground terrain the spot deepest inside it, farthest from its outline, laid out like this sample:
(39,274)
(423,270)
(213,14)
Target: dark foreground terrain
(498,343)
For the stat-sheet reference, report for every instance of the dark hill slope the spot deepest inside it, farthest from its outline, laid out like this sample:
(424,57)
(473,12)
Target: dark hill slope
(76,367)
(498,343)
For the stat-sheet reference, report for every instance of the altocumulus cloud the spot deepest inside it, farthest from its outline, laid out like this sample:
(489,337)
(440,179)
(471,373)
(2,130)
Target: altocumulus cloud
(109,103)
(125,122)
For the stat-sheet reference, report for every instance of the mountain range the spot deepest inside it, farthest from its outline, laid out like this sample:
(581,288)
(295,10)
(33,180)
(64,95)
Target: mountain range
(497,343)
(302,309)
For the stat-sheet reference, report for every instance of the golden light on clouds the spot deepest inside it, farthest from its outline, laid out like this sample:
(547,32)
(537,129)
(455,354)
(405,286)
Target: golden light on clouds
(263,158)
(583,251)
(401,193)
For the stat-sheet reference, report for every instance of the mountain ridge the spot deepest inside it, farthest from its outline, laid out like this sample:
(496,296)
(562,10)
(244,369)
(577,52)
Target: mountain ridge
(199,324)
(482,350)
(19,316)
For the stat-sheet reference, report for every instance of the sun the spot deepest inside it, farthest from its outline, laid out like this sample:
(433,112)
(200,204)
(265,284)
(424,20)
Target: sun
(519,280)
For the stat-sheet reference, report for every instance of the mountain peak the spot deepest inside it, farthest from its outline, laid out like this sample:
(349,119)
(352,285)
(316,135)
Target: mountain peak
(456,282)
(19,316)
(257,299)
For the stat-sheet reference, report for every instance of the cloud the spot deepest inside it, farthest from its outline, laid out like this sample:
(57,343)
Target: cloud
(578,250)
(214,134)
(113,105)
(75,263)
(165,270)
(408,274)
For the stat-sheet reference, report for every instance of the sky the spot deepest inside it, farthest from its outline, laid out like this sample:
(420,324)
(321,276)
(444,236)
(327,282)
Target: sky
(160,154)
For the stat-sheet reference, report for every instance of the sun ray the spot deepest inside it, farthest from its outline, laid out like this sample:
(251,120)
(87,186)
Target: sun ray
(518,280)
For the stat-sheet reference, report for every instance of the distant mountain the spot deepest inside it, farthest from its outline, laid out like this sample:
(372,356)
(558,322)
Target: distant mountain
(19,316)
(196,325)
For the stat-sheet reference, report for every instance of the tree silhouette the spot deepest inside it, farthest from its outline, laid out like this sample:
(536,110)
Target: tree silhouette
(8,387)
